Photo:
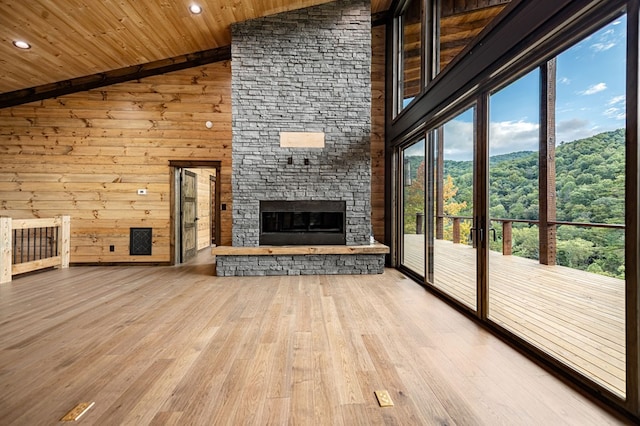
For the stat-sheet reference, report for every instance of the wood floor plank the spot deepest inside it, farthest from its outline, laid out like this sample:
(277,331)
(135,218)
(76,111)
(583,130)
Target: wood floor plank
(177,345)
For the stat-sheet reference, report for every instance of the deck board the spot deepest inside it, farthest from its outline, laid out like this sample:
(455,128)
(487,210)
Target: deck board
(576,316)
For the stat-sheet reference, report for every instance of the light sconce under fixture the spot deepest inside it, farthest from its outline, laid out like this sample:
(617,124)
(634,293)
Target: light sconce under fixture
(208,124)
(21,44)
(195,9)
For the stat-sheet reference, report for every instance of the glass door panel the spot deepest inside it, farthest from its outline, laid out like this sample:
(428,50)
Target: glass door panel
(453,251)
(556,267)
(413,206)
(514,206)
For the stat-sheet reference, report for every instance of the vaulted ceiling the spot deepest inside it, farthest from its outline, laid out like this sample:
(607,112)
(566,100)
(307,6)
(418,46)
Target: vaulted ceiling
(76,38)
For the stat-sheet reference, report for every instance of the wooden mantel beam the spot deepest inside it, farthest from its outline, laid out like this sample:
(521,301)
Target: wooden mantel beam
(107,78)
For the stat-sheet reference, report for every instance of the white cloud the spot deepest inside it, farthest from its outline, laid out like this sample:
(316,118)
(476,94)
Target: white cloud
(458,140)
(508,136)
(564,80)
(615,113)
(594,89)
(617,100)
(611,112)
(607,39)
(572,129)
(512,136)
(601,47)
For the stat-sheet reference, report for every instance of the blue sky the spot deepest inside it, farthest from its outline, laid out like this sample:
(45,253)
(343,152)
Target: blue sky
(590,99)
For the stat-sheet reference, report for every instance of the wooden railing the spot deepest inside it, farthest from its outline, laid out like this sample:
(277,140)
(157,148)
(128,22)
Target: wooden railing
(507,240)
(27,245)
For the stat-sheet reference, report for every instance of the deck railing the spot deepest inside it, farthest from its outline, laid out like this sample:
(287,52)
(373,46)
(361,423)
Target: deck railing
(27,245)
(507,233)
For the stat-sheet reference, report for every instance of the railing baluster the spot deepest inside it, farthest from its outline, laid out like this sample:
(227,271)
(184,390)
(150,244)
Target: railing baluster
(506,238)
(456,230)
(14,243)
(30,234)
(40,244)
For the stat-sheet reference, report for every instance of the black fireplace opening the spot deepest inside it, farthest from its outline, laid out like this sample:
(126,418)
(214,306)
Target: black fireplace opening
(302,222)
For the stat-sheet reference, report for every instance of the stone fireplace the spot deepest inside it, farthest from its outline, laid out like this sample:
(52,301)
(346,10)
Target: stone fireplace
(302,71)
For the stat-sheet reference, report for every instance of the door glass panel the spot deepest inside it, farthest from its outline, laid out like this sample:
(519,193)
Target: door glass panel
(561,287)
(454,254)
(413,206)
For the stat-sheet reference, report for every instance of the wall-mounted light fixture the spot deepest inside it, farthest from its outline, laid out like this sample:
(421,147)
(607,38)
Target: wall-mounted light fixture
(208,124)
(195,9)
(290,160)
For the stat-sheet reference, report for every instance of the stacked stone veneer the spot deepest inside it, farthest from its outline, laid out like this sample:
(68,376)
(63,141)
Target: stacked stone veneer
(303,71)
(300,265)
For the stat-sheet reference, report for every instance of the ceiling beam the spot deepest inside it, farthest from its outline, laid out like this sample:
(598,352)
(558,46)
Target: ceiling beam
(107,78)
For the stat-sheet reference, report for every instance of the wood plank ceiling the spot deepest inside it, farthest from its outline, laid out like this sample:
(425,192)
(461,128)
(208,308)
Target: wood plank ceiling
(460,22)
(75,38)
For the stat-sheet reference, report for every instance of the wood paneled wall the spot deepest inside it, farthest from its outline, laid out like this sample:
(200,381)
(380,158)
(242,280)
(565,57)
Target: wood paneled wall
(377,130)
(88,153)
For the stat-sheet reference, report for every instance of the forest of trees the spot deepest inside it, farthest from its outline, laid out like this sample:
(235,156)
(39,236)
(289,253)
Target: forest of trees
(590,188)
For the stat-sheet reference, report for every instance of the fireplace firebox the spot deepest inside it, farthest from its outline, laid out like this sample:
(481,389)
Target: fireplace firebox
(302,222)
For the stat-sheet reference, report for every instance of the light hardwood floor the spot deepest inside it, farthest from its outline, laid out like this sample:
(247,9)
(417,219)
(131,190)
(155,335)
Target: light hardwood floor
(176,345)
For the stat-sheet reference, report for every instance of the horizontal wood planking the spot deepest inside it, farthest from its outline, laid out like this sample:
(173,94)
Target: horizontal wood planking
(457,31)
(86,154)
(299,250)
(377,130)
(34,265)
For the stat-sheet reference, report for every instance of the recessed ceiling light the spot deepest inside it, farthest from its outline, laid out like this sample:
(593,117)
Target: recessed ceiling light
(195,9)
(21,44)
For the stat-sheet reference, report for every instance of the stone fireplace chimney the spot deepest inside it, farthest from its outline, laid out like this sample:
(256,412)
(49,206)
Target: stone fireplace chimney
(303,71)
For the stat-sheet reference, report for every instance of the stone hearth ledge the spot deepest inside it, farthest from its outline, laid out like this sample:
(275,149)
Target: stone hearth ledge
(300,260)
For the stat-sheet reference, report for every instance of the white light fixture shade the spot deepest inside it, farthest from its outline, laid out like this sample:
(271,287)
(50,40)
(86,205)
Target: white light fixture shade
(21,44)
(195,8)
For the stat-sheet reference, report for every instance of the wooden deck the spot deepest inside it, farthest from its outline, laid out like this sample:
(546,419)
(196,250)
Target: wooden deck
(576,316)
(176,345)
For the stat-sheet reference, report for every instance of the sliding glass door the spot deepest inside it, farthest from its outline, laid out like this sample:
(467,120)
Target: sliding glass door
(519,204)
(412,214)
(557,208)
(453,254)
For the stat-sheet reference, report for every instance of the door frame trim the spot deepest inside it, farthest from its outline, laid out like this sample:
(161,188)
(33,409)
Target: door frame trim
(174,200)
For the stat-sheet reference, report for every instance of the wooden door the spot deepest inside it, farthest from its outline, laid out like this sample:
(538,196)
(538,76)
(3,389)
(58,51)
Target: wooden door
(188,214)
(212,202)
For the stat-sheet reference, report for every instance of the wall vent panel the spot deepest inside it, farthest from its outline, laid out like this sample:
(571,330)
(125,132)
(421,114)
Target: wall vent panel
(140,242)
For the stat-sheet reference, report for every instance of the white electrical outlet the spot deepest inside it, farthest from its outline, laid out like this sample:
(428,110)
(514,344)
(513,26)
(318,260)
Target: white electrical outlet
(142,192)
